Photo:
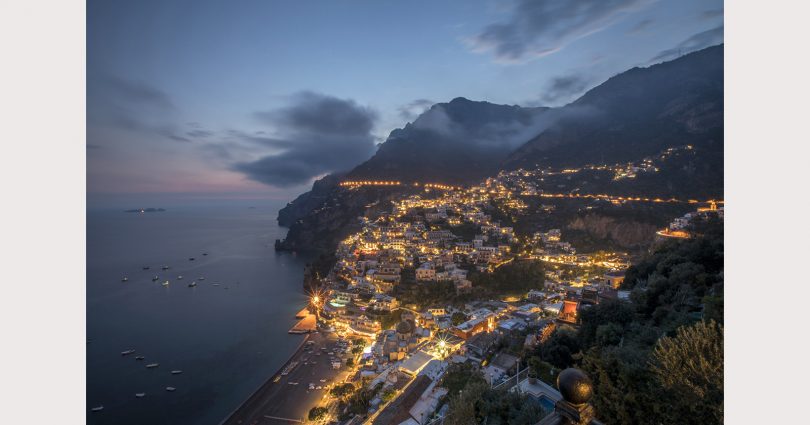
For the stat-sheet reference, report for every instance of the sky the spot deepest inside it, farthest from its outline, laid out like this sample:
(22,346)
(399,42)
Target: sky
(222,100)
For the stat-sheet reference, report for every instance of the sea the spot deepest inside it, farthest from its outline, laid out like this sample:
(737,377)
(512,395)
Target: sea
(228,334)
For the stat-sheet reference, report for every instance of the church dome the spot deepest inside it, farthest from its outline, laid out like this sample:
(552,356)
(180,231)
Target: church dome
(404,327)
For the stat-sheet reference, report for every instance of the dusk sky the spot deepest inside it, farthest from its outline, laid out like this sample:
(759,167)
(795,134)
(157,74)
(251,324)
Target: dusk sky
(255,99)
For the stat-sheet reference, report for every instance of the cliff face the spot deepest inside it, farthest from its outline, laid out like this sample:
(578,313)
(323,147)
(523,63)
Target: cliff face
(336,217)
(307,202)
(627,234)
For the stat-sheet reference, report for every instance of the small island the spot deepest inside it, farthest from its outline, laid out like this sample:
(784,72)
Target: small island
(146,210)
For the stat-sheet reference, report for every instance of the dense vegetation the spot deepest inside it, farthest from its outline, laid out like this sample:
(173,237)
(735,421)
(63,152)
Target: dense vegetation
(515,278)
(657,359)
(471,400)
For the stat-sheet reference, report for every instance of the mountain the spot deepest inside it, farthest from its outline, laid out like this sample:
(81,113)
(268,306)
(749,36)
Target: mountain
(458,142)
(635,114)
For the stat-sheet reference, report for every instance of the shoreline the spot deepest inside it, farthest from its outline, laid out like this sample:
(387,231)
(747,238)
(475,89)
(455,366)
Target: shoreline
(268,382)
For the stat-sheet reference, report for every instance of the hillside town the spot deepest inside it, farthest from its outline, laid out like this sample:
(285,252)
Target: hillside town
(396,343)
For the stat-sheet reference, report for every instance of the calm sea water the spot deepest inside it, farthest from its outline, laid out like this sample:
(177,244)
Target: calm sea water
(227,339)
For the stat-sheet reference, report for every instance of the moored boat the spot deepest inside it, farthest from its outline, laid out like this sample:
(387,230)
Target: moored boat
(97,409)
(140,395)
(170,389)
(177,372)
(127,352)
(152,365)
(192,284)
(166,283)
(124,279)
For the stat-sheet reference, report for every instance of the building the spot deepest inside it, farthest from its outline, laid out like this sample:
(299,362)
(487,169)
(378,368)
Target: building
(482,320)
(569,311)
(426,272)
(614,279)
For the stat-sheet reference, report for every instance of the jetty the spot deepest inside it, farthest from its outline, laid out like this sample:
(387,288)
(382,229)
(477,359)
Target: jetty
(303,313)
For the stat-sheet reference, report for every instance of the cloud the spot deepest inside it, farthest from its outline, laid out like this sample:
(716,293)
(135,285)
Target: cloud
(316,134)
(696,42)
(564,88)
(538,28)
(641,26)
(413,109)
(198,133)
(711,14)
(135,92)
(134,106)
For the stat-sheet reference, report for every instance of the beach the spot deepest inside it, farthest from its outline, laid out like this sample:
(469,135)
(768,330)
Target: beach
(289,399)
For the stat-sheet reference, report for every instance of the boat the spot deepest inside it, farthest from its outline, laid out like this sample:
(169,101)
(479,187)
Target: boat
(192,284)
(201,278)
(140,395)
(139,358)
(165,267)
(216,284)
(190,258)
(155,279)
(146,267)
(205,253)
(177,372)
(170,389)
(277,378)
(127,352)
(124,279)
(152,365)
(180,277)
(97,409)
(166,283)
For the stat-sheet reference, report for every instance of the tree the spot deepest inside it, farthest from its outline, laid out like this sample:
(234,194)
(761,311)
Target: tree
(342,390)
(458,318)
(690,367)
(317,413)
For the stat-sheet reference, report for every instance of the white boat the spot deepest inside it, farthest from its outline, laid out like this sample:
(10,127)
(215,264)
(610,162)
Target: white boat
(165,267)
(152,365)
(201,278)
(177,372)
(127,352)
(166,283)
(124,279)
(140,395)
(179,277)
(170,389)
(97,409)
(192,284)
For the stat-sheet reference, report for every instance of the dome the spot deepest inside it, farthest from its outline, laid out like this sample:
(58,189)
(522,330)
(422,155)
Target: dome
(575,386)
(403,327)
